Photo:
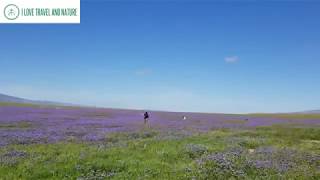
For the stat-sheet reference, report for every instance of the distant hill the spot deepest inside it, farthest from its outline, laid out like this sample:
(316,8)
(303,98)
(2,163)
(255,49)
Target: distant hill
(311,112)
(6,98)
(12,99)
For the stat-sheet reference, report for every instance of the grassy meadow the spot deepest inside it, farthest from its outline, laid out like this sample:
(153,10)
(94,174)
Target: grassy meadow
(275,152)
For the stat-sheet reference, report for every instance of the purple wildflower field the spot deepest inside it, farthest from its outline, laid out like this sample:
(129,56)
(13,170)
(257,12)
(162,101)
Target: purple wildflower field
(208,145)
(24,125)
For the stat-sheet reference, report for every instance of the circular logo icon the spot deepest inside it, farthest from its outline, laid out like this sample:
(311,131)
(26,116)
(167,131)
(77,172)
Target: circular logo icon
(11,12)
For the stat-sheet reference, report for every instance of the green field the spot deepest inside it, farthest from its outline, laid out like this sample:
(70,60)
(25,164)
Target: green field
(283,153)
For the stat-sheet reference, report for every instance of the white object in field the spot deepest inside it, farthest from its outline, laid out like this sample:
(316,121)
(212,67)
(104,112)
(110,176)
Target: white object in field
(184,118)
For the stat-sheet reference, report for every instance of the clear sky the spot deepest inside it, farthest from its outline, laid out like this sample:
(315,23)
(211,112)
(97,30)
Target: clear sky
(233,57)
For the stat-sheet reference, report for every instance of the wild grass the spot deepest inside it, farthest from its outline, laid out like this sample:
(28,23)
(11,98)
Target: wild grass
(18,104)
(17,125)
(148,155)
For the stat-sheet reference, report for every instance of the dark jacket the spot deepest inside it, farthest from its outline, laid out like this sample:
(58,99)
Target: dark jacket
(146,115)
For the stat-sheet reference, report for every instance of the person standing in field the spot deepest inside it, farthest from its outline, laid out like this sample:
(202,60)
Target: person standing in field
(146,118)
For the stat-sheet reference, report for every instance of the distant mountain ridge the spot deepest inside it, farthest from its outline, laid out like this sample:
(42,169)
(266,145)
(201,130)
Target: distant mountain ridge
(310,112)
(13,99)
(7,98)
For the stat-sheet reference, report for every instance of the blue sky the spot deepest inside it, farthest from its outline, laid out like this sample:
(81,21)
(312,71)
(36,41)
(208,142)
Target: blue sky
(233,57)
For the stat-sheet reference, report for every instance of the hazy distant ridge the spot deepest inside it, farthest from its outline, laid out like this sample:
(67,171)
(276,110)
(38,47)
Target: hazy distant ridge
(310,112)
(13,99)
